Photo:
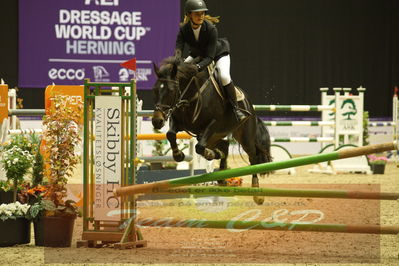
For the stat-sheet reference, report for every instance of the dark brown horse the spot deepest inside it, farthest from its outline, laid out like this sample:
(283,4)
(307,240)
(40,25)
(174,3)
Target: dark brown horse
(192,104)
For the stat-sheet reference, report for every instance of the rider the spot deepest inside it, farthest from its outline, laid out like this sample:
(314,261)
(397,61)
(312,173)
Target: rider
(199,32)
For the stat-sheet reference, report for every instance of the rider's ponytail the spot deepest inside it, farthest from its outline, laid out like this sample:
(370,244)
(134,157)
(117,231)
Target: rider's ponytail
(209,18)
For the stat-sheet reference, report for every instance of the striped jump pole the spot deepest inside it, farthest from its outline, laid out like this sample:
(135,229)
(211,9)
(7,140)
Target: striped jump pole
(381,124)
(302,139)
(278,192)
(277,226)
(254,169)
(24,131)
(299,123)
(294,108)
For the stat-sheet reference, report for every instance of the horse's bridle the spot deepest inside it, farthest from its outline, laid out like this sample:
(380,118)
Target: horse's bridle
(167,110)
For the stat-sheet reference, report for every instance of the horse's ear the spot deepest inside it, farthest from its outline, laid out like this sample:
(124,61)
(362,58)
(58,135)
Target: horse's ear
(174,71)
(156,69)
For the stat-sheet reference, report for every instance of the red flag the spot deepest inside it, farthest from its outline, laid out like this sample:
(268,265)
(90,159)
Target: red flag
(130,64)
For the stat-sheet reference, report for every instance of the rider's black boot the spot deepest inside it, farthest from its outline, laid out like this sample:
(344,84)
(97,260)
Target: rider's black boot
(231,95)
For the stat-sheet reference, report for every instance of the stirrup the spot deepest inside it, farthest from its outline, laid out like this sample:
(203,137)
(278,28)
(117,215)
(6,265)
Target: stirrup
(240,116)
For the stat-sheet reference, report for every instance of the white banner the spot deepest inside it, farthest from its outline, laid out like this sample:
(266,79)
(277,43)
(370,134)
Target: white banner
(107,155)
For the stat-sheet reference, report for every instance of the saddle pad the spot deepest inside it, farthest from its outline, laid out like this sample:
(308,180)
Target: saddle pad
(239,94)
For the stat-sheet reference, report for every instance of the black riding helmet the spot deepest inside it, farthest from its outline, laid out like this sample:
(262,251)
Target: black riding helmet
(195,6)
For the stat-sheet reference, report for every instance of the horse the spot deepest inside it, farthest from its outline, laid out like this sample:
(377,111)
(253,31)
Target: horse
(191,103)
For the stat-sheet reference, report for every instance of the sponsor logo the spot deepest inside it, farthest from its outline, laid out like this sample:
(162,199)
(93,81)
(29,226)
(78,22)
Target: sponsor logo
(100,73)
(69,74)
(349,109)
(141,74)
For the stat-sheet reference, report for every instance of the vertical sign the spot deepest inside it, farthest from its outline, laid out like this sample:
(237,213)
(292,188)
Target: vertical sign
(108,156)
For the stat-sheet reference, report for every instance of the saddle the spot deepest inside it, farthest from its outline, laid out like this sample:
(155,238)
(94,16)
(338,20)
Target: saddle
(212,71)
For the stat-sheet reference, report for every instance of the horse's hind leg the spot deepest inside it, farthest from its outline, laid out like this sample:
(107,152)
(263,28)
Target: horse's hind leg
(245,135)
(222,148)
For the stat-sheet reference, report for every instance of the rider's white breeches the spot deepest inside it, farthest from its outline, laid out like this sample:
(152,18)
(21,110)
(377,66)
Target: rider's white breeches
(223,66)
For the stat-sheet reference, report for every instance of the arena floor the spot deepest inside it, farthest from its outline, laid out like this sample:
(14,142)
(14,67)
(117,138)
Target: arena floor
(193,245)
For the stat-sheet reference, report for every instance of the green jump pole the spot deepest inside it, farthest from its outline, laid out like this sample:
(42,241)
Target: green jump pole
(254,169)
(277,226)
(278,192)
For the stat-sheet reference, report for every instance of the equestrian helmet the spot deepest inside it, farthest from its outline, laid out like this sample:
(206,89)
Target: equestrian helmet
(195,6)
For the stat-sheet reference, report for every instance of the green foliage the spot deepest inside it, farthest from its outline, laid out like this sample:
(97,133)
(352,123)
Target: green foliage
(51,209)
(35,210)
(37,169)
(366,128)
(5,185)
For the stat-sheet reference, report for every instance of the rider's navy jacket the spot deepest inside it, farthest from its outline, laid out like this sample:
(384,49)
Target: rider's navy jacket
(209,47)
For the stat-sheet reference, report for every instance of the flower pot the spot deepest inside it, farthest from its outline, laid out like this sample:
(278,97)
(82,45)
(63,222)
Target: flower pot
(54,231)
(14,232)
(6,196)
(378,168)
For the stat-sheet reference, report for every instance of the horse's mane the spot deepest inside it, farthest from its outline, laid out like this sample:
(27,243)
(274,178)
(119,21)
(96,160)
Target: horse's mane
(184,70)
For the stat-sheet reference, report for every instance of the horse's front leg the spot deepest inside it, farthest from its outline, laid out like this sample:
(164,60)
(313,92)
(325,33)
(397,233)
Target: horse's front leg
(178,155)
(201,148)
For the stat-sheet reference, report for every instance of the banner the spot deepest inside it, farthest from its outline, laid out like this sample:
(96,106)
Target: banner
(65,41)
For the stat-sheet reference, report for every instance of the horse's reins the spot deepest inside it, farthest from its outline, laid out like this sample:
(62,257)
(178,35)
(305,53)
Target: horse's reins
(180,101)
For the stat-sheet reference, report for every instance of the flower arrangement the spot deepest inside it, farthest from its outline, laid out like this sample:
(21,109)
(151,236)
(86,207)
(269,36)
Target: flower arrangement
(61,136)
(31,194)
(234,182)
(13,211)
(373,159)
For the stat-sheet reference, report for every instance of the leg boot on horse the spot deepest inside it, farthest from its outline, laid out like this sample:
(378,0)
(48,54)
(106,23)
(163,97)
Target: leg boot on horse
(230,91)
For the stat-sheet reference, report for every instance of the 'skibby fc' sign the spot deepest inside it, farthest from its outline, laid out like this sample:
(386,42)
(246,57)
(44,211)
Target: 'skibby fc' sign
(108,155)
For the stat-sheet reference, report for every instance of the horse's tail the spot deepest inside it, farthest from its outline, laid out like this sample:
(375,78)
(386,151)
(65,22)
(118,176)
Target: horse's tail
(262,142)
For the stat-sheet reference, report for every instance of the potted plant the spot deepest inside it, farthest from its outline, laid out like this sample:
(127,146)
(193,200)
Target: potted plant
(377,163)
(53,215)
(16,162)
(14,227)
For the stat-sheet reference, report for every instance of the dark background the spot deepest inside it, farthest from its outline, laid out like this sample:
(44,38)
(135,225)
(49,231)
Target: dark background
(283,51)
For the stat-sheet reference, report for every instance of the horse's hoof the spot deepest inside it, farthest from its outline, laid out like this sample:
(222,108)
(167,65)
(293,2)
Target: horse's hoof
(209,154)
(259,200)
(199,149)
(178,156)
(222,183)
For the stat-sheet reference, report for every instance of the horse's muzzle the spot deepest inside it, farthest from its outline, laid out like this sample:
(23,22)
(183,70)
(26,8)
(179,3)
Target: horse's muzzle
(158,120)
